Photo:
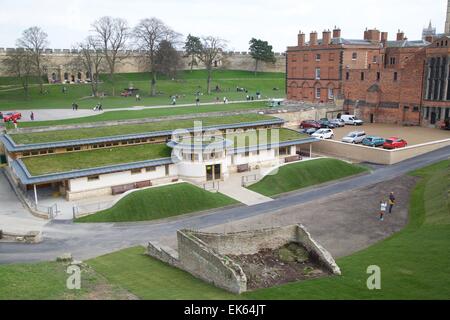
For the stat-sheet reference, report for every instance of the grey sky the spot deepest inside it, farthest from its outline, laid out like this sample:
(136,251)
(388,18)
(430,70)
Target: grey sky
(278,22)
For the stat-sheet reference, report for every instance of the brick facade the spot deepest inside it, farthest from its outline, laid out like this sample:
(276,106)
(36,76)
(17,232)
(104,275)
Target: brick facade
(400,81)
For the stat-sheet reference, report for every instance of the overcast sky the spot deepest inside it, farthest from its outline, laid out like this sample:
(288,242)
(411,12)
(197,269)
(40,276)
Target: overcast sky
(277,21)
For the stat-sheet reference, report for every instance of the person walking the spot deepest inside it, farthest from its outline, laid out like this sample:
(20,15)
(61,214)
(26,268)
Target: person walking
(391,201)
(15,123)
(174,100)
(383,207)
(197,101)
(32,116)
(73,106)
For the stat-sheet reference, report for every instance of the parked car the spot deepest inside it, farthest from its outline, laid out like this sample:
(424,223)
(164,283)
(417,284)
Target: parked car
(324,134)
(310,124)
(445,124)
(338,123)
(394,143)
(372,141)
(11,116)
(325,124)
(352,120)
(354,137)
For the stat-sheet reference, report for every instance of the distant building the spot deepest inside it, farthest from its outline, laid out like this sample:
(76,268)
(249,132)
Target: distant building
(380,80)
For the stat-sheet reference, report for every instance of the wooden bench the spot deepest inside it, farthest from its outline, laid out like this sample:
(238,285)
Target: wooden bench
(243,168)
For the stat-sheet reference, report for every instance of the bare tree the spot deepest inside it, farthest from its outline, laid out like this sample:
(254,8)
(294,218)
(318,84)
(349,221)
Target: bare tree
(34,41)
(149,34)
(209,54)
(112,34)
(91,57)
(20,63)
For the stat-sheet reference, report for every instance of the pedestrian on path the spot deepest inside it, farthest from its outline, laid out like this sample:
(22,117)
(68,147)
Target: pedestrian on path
(383,207)
(197,101)
(15,123)
(32,116)
(174,100)
(391,201)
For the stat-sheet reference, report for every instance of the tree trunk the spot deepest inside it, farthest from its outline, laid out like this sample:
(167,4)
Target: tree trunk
(153,84)
(256,66)
(111,78)
(208,82)
(192,63)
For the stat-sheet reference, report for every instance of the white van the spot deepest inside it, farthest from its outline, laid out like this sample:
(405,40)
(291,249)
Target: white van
(352,120)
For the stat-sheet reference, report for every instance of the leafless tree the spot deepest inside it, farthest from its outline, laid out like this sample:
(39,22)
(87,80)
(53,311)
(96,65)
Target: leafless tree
(34,41)
(113,35)
(91,58)
(210,54)
(20,63)
(149,34)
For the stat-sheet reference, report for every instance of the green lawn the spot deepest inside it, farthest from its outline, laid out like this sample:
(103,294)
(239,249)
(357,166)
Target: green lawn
(47,281)
(186,85)
(86,133)
(304,174)
(65,162)
(150,279)
(148,113)
(161,202)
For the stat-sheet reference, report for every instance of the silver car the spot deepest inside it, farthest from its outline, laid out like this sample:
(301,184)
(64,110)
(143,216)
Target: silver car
(338,123)
(354,137)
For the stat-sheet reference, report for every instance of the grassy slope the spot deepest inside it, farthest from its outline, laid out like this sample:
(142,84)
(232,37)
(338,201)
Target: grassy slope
(65,162)
(151,279)
(161,202)
(186,85)
(62,135)
(147,113)
(304,174)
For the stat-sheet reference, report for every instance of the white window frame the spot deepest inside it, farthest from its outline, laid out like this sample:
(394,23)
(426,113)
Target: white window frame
(318,92)
(317,73)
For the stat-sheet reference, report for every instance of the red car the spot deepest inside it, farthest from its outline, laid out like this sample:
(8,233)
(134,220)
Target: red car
(11,116)
(394,143)
(308,124)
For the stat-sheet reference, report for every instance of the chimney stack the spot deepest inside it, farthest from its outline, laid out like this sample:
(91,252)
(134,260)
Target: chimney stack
(313,38)
(384,37)
(372,35)
(400,35)
(336,32)
(301,39)
(326,37)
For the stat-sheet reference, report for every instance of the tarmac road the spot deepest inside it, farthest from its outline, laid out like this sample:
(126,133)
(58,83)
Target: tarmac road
(86,241)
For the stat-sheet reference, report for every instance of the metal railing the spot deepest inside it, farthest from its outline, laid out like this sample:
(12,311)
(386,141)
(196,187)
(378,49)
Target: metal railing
(245,180)
(79,211)
(212,186)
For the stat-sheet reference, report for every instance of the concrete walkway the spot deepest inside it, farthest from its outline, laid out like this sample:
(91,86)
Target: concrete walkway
(68,113)
(232,188)
(14,217)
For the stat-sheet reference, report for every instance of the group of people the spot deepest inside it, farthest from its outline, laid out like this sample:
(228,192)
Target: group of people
(74,106)
(98,107)
(387,206)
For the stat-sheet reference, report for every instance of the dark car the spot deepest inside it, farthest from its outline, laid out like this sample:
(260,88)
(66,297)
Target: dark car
(307,124)
(11,116)
(325,124)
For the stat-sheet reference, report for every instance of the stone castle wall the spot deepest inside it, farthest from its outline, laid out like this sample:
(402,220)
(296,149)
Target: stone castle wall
(60,63)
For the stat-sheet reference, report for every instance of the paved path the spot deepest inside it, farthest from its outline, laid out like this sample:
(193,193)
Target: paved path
(232,187)
(87,241)
(68,113)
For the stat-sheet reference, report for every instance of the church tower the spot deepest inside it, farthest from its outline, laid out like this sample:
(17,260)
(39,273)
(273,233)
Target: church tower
(447,22)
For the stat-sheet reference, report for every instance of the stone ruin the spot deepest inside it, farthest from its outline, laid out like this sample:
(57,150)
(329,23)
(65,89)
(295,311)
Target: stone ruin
(248,260)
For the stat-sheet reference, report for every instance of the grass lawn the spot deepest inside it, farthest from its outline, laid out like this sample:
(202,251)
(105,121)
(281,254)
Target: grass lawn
(86,133)
(72,161)
(161,202)
(146,113)
(47,281)
(253,138)
(186,86)
(150,279)
(304,174)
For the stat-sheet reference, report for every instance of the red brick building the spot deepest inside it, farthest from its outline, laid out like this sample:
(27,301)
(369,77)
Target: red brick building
(401,81)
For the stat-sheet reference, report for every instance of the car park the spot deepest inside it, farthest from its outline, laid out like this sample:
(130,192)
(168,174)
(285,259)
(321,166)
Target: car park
(324,134)
(310,124)
(352,120)
(354,137)
(325,124)
(372,141)
(394,143)
(11,116)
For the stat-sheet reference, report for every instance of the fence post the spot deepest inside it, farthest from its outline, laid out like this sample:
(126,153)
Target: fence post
(74,215)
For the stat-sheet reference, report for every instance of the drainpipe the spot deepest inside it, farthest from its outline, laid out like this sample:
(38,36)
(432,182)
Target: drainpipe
(35,195)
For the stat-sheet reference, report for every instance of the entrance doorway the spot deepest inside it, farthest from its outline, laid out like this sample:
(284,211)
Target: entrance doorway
(213,172)
(371,118)
(433,118)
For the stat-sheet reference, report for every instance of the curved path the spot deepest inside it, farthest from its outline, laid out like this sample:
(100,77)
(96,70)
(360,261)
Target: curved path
(90,240)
